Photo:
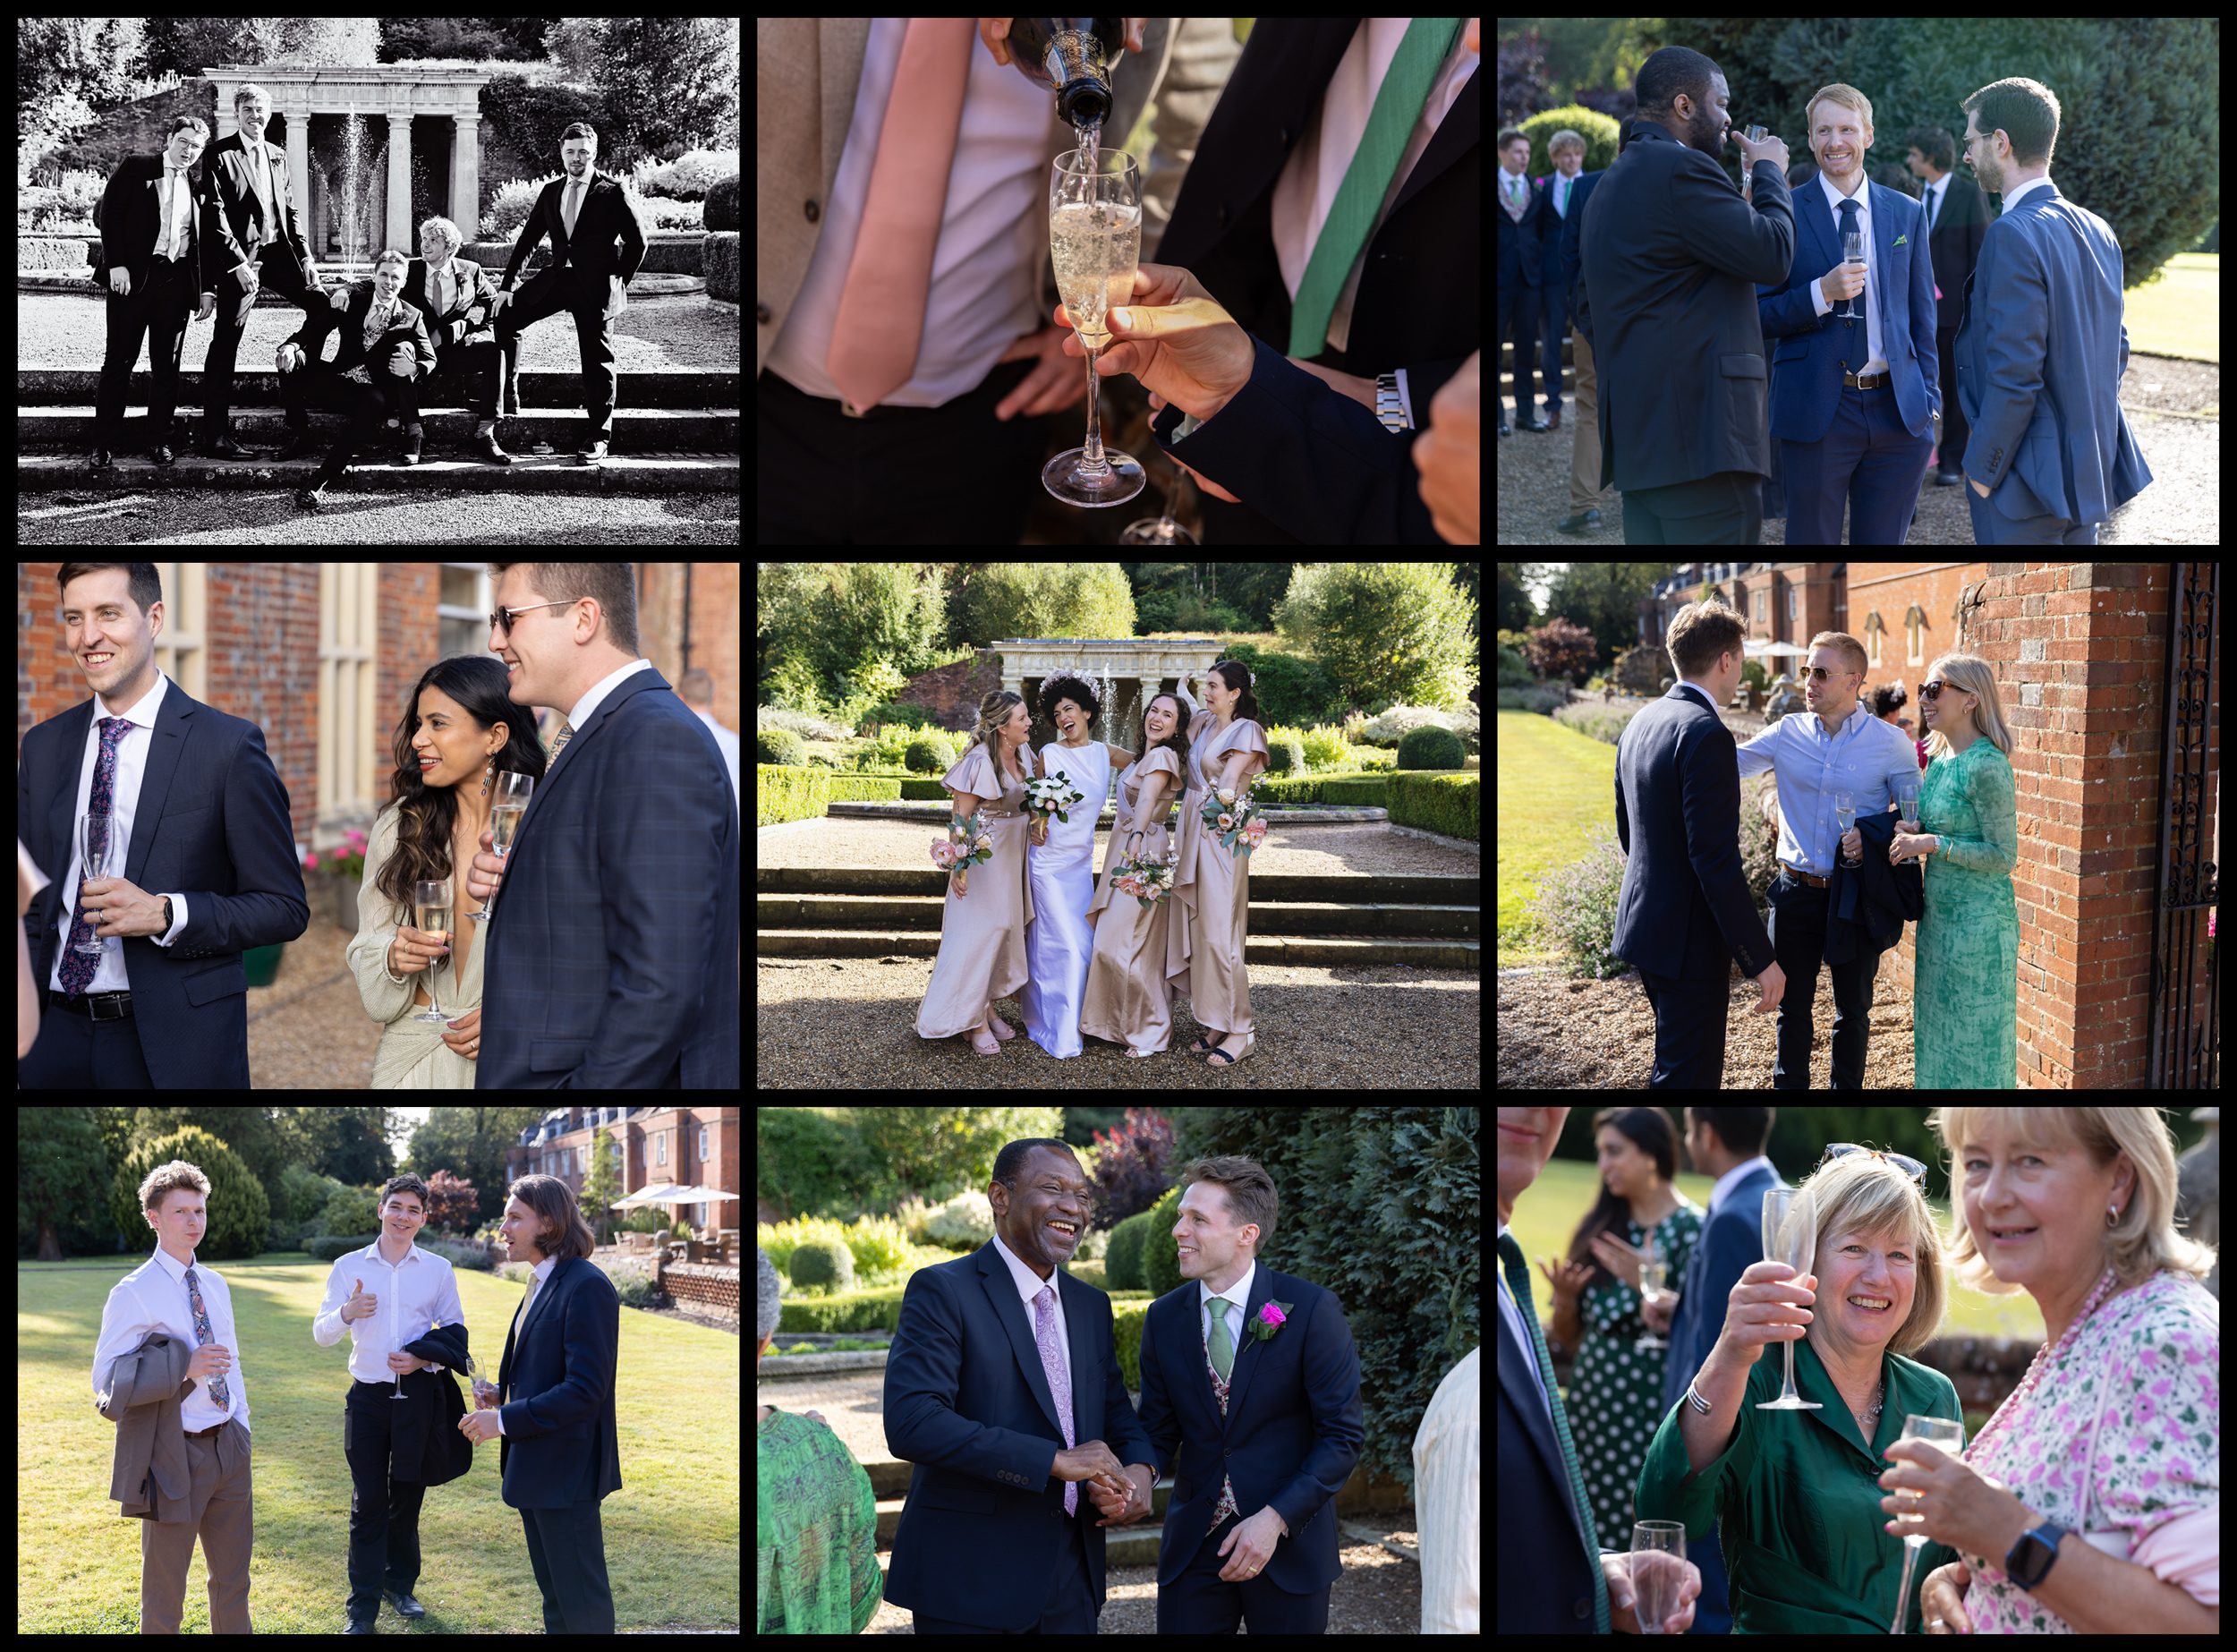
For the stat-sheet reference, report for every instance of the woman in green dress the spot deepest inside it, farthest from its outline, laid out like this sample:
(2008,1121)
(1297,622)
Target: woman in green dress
(1797,1493)
(1965,992)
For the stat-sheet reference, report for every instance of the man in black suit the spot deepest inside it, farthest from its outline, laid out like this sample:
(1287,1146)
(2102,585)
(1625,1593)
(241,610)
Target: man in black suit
(383,348)
(454,294)
(596,245)
(1522,217)
(252,242)
(1685,910)
(1672,257)
(1957,222)
(552,1407)
(150,270)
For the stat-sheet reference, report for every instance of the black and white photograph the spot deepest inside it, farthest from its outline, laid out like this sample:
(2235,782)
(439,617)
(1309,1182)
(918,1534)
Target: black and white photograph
(377,281)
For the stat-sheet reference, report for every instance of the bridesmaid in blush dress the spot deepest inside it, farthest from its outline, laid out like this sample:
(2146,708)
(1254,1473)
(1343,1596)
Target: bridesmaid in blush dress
(1060,867)
(983,927)
(1129,999)
(1227,751)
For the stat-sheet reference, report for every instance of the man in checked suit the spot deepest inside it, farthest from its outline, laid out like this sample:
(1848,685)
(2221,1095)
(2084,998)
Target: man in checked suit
(252,242)
(588,217)
(552,1407)
(619,903)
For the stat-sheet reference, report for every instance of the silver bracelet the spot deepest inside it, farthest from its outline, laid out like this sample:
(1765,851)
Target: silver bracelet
(1694,1399)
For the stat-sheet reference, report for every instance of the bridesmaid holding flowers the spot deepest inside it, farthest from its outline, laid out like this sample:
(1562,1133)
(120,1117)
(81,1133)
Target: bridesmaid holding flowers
(1227,751)
(983,927)
(1129,999)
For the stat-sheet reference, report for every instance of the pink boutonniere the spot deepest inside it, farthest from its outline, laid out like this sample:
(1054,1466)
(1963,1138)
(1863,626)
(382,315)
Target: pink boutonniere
(1271,1317)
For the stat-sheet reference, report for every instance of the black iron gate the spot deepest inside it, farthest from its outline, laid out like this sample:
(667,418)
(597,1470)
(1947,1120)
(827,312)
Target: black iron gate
(2186,1011)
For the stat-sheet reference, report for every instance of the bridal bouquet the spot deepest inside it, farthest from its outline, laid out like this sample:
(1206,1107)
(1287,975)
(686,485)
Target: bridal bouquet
(1235,821)
(1149,882)
(968,842)
(1052,796)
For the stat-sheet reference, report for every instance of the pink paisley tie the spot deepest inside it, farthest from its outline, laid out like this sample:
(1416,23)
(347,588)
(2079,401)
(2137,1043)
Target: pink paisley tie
(1059,1381)
(880,319)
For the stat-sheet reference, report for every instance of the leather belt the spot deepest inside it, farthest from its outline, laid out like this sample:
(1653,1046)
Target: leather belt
(1865,381)
(1810,878)
(94,1006)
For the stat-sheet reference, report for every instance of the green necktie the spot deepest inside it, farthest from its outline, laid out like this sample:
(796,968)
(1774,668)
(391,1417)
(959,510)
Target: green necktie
(1518,1277)
(1398,105)
(1222,1340)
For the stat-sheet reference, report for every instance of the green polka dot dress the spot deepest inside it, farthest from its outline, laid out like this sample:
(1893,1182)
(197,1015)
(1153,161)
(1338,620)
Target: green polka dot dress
(1615,1395)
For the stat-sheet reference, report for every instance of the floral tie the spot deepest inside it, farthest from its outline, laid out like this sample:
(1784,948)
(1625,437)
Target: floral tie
(1060,1384)
(203,1336)
(77,967)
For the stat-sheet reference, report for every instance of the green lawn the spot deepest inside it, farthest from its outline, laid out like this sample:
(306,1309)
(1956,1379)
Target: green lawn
(671,1531)
(1557,788)
(1546,1218)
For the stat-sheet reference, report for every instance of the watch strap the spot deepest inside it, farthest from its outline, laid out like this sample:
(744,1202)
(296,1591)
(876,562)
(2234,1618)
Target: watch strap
(1388,407)
(2033,1556)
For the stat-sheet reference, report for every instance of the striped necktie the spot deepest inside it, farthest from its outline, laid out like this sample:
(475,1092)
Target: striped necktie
(1518,1277)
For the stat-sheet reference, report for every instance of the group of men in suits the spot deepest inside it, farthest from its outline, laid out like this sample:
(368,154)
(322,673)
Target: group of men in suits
(200,232)
(1676,282)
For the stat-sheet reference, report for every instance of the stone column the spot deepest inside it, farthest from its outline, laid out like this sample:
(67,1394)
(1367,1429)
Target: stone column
(399,220)
(297,108)
(466,172)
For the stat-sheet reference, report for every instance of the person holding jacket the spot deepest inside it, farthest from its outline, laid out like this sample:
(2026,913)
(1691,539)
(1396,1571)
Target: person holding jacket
(1672,257)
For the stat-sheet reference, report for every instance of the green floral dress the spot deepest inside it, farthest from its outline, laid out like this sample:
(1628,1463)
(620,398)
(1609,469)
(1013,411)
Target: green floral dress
(1615,1389)
(1965,993)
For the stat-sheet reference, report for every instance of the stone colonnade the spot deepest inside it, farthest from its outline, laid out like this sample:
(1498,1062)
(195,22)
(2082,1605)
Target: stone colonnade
(1136,669)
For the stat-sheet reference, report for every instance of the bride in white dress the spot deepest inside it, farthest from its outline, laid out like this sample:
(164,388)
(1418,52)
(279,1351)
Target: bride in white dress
(1060,868)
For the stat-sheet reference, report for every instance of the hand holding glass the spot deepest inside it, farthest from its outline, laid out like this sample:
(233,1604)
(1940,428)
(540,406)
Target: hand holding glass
(1790,1234)
(1094,240)
(95,839)
(1939,1431)
(509,800)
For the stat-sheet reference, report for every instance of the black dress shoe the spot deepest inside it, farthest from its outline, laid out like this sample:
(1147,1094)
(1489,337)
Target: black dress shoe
(365,1627)
(226,447)
(307,498)
(298,444)
(162,454)
(103,459)
(487,450)
(414,438)
(404,1604)
(1583,522)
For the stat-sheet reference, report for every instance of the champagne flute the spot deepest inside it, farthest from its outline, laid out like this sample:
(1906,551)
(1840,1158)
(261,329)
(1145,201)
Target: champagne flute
(1950,1436)
(1161,530)
(1845,817)
(96,835)
(1653,1275)
(431,911)
(1790,1234)
(509,800)
(1094,240)
(1851,253)
(1658,1571)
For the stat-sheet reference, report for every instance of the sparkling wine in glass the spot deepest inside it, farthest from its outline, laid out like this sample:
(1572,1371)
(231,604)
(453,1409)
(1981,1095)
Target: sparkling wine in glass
(1095,240)
(1950,1436)
(1851,253)
(1654,1279)
(431,911)
(97,839)
(1790,1234)
(509,800)
(1844,816)
(1658,1571)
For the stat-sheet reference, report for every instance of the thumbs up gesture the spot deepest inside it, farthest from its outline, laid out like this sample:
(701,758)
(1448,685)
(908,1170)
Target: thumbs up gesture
(359,1306)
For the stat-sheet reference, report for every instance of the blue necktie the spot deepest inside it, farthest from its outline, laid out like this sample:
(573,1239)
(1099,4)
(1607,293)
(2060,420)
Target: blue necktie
(1848,227)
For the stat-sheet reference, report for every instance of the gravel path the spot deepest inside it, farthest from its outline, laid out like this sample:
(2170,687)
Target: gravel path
(226,516)
(846,840)
(2174,406)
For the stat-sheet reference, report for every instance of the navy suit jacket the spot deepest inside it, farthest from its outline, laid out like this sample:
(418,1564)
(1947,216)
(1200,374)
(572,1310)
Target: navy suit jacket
(1731,1243)
(967,1401)
(2040,356)
(1546,1581)
(1685,906)
(560,1446)
(1288,1439)
(613,959)
(1810,351)
(211,825)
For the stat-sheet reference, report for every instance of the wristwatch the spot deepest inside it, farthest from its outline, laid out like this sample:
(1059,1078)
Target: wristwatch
(2033,1556)
(1387,405)
(166,914)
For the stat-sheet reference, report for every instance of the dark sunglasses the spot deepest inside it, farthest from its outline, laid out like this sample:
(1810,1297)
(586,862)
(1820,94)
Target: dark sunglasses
(1818,674)
(1902,1161)
(1933,690)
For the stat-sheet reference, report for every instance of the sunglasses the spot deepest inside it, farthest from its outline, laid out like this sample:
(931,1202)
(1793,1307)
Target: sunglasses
(1902,1161)
(503,618)
(1933,690)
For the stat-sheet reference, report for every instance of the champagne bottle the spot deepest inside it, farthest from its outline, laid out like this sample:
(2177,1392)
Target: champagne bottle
(1072,56)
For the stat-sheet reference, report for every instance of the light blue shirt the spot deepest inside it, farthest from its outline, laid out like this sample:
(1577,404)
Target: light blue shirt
(1865,757)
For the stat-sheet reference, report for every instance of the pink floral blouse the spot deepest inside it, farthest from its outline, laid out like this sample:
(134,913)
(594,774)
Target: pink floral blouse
(2121,1444)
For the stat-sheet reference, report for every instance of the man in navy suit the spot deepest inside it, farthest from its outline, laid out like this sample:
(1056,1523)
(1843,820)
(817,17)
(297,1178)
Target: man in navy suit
(1250,1390)
(1002,1386)
(552,1410)
(1522,227)
(613,952)
(1855,383)
(201,860)
(1684,911)
(2043,347)
(1672,257)
(1957,219)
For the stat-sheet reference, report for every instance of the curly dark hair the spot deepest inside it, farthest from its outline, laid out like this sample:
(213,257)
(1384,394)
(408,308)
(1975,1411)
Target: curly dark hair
(428,816)
(1072,688)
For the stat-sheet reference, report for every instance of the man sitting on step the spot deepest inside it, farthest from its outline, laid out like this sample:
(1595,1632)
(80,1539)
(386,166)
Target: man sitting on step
(384,346)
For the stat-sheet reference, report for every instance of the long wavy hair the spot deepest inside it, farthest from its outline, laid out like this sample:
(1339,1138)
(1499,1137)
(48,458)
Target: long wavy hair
(1972,673)
(993,713)
(1175,742)
(428,815)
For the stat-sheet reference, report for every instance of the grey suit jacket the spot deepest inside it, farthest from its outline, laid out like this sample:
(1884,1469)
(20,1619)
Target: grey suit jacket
(2040,355)
(141,1394)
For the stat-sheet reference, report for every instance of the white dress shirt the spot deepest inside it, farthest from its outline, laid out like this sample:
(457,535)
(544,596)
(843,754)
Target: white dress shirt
(414,1296)
(1231,1303)
(132,769)
(1875,353)
(153,1296)
(539,1277)
(1030,1285)
(587,706)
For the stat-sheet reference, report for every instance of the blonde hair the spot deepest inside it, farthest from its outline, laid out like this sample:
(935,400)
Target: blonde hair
(1862,1194)
(1849,649)
(443,226)
(1971,673)
(2143,1242)
(1701,634)
(1565,139)
(993,713)
(176,1177)
(1849,98)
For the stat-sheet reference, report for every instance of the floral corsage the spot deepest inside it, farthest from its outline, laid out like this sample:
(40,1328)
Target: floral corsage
(968,842)
(1271,1317)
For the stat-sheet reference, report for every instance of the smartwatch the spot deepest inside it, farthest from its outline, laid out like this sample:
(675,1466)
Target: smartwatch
(2033,1556)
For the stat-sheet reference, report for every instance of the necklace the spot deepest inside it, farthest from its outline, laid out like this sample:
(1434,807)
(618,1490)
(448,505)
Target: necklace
(2004,1422)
